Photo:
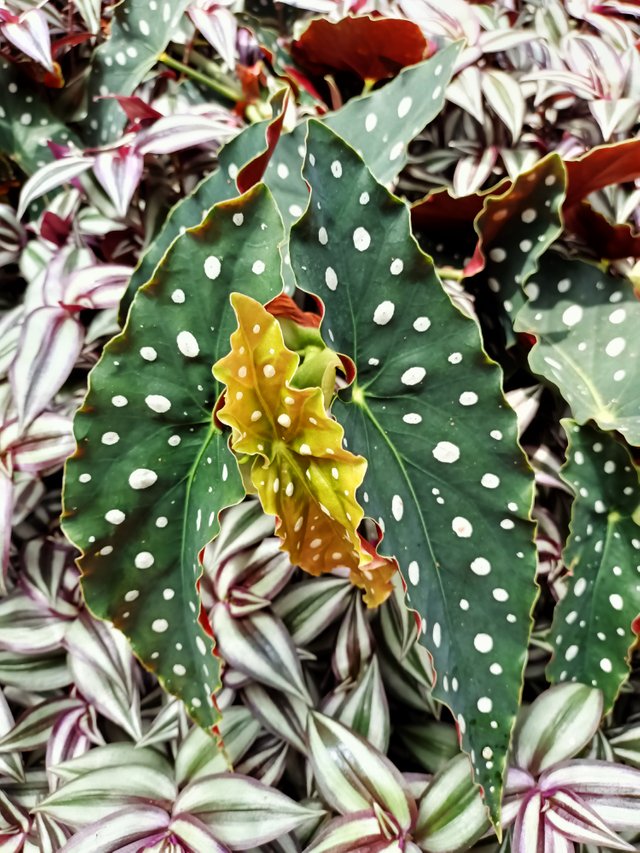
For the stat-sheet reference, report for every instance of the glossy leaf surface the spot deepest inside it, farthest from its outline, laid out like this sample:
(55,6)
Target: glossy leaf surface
(428,411)
(591,634)
(152,471)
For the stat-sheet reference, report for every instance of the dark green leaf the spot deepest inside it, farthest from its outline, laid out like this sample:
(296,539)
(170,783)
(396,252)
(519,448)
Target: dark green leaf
(152,472)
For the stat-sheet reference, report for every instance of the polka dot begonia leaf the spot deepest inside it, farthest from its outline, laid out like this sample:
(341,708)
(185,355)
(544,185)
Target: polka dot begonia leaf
(301,472)
(140,30)
(515,228)
(380,125)
(447,480)
(151,473)
(591,634)
(586,323)
(245,148)
(26,122)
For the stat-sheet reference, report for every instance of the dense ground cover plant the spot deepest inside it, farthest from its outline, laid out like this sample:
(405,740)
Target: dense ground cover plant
(304,315)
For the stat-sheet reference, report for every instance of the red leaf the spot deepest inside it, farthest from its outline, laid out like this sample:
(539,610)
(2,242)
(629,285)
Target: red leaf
(604,238)
(601,167)
(372,48)
(253,171)
(284,306)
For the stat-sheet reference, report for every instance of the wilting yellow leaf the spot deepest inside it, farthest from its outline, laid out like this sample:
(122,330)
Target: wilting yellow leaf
(301,472)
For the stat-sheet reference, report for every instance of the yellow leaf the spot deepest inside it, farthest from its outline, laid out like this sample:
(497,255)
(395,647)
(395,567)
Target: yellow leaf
(301,472)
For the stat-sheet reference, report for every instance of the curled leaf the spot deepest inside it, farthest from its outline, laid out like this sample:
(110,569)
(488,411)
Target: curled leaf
(301,471)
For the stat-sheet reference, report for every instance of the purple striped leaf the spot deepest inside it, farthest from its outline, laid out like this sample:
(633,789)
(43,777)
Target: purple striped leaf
(218,25)
(175,133)
(351,834)
(50,343)
(33,728)
(352,775)
(102,666)
(195,834)
(113,756)
(50,177)
(28,629)
(119,172)
(99,793)
(558,725)
(363,707)
(259,646)
(42,447)
(595,778)
(134,824)
(354,643)
(201,754)
(311,606)
(266,761)
(283,715)
(73,734)
(240,811)
(99,286)
(10,763)
(6,516)
(571,818)
(451,814)
(30,34)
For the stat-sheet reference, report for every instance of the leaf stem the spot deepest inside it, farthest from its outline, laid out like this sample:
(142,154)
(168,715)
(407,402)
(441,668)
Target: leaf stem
(223,89)
(450,273)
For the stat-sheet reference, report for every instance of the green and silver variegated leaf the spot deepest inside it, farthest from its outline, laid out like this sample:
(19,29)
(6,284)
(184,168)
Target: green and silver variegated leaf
(152,471)
(592,634)
(586,323)
(447,480)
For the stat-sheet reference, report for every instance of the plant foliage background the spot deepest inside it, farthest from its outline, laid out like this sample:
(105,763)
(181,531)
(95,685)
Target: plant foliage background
(438,205)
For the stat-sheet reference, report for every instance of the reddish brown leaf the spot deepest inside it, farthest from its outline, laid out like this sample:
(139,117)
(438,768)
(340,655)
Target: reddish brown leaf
(252,172)
(372,48)
(601,167)
(604,238)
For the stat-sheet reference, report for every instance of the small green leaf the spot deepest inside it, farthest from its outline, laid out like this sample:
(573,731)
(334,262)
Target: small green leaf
(591,634)
(556,726)
(138,36)
(146,431)
(586,322)
(447,480)
(451,815)
(352,775)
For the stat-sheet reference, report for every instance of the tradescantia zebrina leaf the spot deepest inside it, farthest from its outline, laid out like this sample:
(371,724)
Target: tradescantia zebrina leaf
(300,471)
(591,633)
(586,322)
(446,478)
(151,473)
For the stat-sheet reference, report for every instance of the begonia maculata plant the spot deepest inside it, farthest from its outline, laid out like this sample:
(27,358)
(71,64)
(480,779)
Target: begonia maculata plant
(332,313)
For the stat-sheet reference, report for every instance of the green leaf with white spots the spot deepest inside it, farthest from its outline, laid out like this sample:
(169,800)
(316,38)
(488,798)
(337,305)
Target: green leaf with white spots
(380,125)
(447,480)
(587,322)
(152,471)
(591,633)
(515,229)
(26,122)
(140,32)
(374,124)
(220,185)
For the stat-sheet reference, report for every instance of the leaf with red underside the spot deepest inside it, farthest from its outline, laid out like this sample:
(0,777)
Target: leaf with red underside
(372,48)
(604,238)
(253,171)
(284,308)
(602,167)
